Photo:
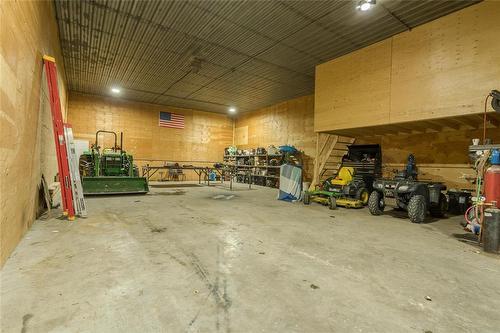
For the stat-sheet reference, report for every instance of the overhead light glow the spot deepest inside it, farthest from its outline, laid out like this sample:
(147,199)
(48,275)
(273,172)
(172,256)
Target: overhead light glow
(365,5)
(232,110)
(115,90)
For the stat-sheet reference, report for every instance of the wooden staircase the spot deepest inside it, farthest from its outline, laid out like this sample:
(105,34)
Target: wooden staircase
(329,152)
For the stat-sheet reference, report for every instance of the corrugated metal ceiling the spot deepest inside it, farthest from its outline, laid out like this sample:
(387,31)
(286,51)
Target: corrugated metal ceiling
(251,53)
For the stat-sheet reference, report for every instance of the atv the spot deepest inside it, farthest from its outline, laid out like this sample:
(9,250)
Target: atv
(416,197)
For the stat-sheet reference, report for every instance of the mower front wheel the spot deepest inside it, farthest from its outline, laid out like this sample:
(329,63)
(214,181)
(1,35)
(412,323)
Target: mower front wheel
(332,203)
(376,203)
(307,198)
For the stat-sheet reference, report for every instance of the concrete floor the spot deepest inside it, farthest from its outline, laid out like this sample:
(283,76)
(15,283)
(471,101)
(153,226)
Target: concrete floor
(210,260)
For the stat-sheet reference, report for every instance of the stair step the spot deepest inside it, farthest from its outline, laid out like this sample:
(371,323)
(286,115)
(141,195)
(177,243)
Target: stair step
(337,153)
(332,163)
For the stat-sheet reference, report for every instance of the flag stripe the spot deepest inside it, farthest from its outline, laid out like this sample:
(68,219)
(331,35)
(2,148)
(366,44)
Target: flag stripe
(176,120)
(172,123)
(171,120)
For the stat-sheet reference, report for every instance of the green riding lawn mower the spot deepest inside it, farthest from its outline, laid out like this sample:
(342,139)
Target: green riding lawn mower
(352,185)
(110,171)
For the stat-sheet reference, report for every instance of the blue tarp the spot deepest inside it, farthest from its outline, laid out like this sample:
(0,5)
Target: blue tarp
(290,183)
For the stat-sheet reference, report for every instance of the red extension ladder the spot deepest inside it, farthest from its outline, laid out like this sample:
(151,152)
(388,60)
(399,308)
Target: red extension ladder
(58,125)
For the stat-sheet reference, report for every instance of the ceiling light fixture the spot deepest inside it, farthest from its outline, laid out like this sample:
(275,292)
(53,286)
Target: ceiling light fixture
(195,64)
(365,5)
(115,90)
(232,109)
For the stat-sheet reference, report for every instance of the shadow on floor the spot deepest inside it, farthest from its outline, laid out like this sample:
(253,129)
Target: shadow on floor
(468,238)
(116,195)
(235,188)
(175,192)
(173,185)
(402,214)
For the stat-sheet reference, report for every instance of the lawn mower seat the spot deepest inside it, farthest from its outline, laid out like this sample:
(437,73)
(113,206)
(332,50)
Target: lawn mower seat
(344,176)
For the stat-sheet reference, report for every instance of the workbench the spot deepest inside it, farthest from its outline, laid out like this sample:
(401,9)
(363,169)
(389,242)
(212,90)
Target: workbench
(203,172)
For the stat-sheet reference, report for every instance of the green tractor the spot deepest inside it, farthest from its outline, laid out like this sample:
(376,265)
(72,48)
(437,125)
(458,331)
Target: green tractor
(110,171)
(352,185)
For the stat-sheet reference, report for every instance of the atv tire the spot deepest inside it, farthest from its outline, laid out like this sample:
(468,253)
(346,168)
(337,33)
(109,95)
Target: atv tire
(376,203)
(441,208)
(417,208)
(332,203)
(363,195)
(307,198)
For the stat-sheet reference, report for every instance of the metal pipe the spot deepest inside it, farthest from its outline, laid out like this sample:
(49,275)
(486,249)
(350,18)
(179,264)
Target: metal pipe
(103,131)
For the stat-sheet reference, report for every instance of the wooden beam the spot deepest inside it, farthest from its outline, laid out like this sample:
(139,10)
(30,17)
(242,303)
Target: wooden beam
(494,122)
(316,165)
(464,122)
(332,146)
(433,126)
(384,130)
(326,136)
(405,130)
(450,123)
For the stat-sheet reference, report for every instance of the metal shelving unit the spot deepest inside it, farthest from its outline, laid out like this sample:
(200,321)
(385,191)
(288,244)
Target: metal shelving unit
(262,172)
(257,168)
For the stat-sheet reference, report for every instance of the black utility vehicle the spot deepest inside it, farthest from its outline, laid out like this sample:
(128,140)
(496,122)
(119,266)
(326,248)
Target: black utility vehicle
(416,197)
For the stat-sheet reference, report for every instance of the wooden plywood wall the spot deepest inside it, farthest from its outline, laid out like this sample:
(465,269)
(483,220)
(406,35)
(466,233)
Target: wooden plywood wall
(28,31)
(202,141)
(241,136)
(354,89)
(446,67)
(440,69)
(289,122)
(441,156)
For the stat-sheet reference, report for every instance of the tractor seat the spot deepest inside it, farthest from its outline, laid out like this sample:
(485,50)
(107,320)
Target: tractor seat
(344,176)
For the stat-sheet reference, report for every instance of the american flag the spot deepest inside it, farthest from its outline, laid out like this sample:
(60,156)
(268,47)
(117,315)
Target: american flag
(173,120)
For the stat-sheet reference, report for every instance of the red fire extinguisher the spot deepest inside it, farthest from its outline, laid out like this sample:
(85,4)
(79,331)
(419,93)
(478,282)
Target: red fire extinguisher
(492,180)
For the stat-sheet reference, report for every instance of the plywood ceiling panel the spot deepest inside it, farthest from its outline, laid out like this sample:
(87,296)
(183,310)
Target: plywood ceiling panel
(250,53)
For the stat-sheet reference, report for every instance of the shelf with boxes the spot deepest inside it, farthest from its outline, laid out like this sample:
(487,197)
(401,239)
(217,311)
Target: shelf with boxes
(264,164)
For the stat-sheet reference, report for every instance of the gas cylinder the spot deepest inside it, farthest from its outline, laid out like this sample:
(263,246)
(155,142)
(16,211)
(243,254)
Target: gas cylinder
(492,180)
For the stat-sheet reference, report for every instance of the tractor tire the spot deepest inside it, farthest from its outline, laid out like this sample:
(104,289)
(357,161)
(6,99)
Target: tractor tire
(332,203)
(441,208)
(376,203)
(363,195)
(417,209)
(307,198)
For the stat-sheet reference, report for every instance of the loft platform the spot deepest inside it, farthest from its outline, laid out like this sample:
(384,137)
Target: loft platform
(456,123)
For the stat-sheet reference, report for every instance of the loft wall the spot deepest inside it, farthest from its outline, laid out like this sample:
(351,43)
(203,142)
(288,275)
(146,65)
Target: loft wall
(28,31)
(290,122)
(441,156)
(440,69)
(201,142)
